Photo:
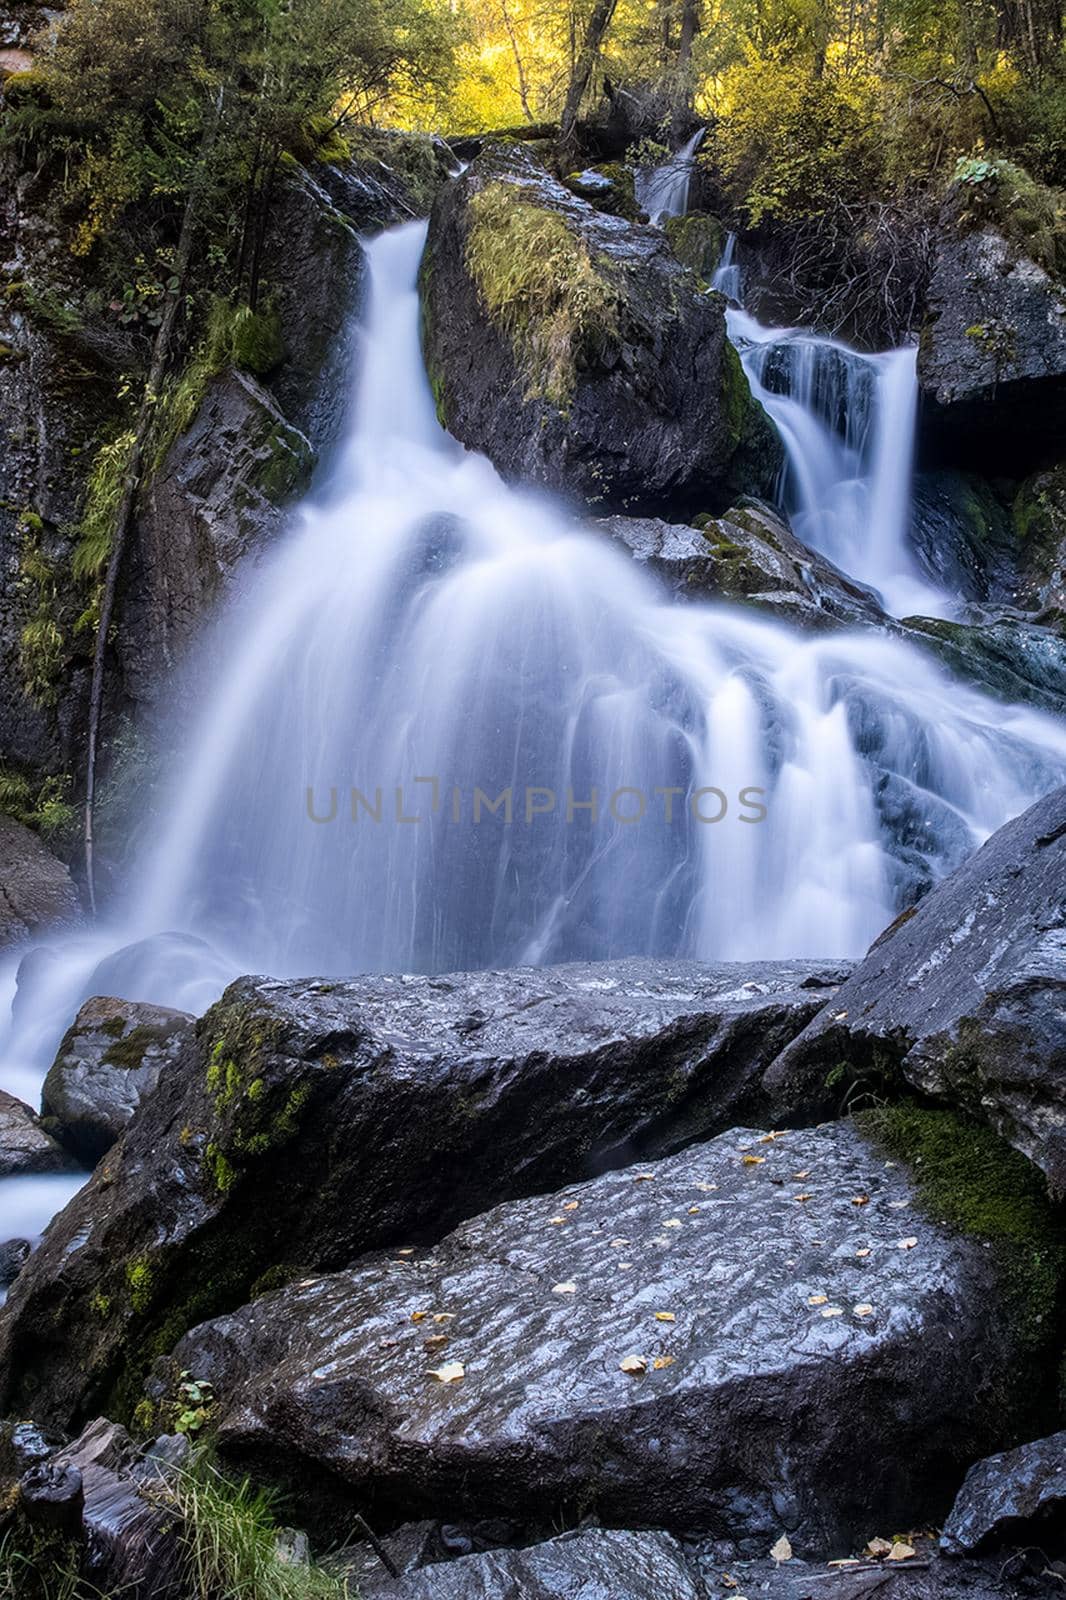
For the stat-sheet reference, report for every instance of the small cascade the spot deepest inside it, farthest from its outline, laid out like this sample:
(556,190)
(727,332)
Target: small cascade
(663,191)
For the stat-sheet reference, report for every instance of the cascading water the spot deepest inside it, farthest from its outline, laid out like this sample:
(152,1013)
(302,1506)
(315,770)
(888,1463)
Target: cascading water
(426,633)
(663,191)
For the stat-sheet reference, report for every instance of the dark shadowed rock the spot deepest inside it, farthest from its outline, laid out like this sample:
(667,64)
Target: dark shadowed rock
(748,554)
(965,996)
(617,384)
(597,1564)
(1018,1497)
(36,890)
(765,1353)
(1040,525)
(14,1253)
(963,537)
(1000,651)
(310,1121)
(992,357)
(925,1576)
(25,1147)
(110,1058)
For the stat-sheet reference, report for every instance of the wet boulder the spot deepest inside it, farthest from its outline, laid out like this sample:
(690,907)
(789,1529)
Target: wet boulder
(1039,513)
(748,554)
(596,1563)
(992,356)
(310,1121)
(25,1147)
(964,998)
(707,1343)
(576,351)
(1000,651)
(1016,1497)
(110,1058)
(36,890)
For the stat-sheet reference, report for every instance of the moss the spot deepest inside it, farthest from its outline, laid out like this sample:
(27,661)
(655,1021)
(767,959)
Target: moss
(541,286)
(735,395)
(129,1051)
(620,200)
(140,1277)
(970,1180)
(697,240)
(1030,215)
(411,157)
(286,465)
(41,804)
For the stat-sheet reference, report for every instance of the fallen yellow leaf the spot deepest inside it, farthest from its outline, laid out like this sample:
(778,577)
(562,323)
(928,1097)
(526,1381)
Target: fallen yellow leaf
(571,1205)
(693,1211)
(768,1138)
(451,1372)
(804,1174)
(878,1548)
(833,1311)
(900,1551)
(863,1252)
(436,1341)
(864,1310)
(634,1365)
(644,1177)
(802,1198)
(672,1222)
(665,1316)
(556,1221)
(662,1361)
(907,1244)
(782,1550)
(444,1316)
(817,1299)
(860,1200)
(752,1161)
(419,1316)
(564,1288)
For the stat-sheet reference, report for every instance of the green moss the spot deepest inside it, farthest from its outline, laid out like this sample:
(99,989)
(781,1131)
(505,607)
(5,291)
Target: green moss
(40,803)
(140,1277)
(541,286)
(697,240)
(129,1051)
(970,1180)
(1030,215)
(735,396)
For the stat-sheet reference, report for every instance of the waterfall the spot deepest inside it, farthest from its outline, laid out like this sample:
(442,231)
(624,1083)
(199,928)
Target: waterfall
(684,779)
(663,191)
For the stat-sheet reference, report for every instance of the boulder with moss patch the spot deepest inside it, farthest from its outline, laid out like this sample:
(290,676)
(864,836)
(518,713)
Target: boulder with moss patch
(992,356)
(1039,513)
(36,890)
(697,240)
(576,351)
(964,998)
(311,1120)
(110,1058)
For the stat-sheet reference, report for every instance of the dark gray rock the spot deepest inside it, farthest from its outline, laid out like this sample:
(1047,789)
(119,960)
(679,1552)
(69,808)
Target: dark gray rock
(597,1564)
(925,1576)
(964,538)
(25,1147)
(992,357)
(965,996)
(110,1058)
(999,651)
(749,554)
(14,1253)
(310,1121)
(1013,1498)
(36,890)
(735,1266)
(656,406)
(1039,512)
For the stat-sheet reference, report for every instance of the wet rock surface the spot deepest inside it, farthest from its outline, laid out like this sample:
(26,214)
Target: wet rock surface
(310,1121)
(110,1058)
(700,1344)
(36,890)
(597,1564)
(657,407)
(1016,1497)
(964,996)
(25,1147)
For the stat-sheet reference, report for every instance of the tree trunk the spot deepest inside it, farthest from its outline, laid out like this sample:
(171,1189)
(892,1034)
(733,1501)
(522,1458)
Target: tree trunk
(131,481)
(690,26)
(598,23)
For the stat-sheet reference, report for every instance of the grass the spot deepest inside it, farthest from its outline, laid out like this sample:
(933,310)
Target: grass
(540,284)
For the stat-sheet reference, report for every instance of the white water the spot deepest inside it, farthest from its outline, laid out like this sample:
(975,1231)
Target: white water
(663,191)
(423,620)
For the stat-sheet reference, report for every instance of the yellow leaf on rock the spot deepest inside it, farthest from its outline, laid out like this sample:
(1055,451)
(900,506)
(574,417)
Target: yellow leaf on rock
(802,1198)
(564,1288)
(907,1244)
(782,1550)
(900,1551)
(571,1205)
(419,1316)
(833,1311)
(444,1316)
(662,1361)
(878,1547)
(864,1310)
(665,1316)
(556,1221)
(672,1222)
(753,1161)
(817,1299)
(860,1200)
(634,1365)
(863,1252)
(693,1211)
(769,1138)
(436,1341)
(451,1372)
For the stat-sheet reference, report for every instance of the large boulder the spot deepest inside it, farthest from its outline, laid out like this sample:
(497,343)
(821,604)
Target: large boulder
(309,1121)
(1040,524)
(576,350)
(36,890)
(1017,1495)
(992,357)
(110,1058)
(999,651)
(964,997)
(748,554)
(25,1147)
(707,1343)
(595,1564)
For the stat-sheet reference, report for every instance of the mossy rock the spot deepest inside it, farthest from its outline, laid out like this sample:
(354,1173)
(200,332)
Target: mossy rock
(697,240)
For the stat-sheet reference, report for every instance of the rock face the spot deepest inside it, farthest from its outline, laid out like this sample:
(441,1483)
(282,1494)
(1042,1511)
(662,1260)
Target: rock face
(992,358)
(577,352)
(1001,652)
(749,554)
(701,1344)
(25,1147)
(965,996)
(311,1121)
(110,1058)
(1014,1497)
(36,890)
(1040,522)
(597,1564)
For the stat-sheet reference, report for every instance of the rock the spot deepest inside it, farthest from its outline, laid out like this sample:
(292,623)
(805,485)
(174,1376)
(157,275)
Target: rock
(599,369)
(610,188)
(992,356)
(697,240)
(963,996)
(110,1058)
(1001,652)
(962,535)
(314,1120)
(25,1147)
(1013,1498)
(14,1253)
(748,554)
(597,1564)
(926,1576)
(1040,524)
(219,493)
(36,890)
(781,1353)
(52,1498)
